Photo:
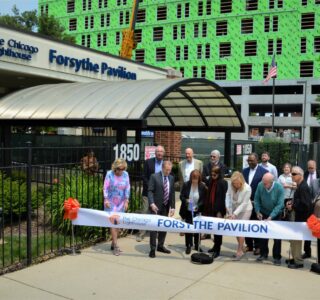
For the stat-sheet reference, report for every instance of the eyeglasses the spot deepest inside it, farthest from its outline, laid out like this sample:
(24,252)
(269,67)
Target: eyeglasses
(295,174)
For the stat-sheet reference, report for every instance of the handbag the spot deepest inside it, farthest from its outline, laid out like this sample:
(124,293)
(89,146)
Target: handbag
(201,258)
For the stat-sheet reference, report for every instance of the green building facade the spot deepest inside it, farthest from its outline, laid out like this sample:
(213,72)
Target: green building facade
(216,39)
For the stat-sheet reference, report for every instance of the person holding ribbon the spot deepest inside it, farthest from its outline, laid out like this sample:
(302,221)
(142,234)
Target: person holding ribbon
(215,205)
(240,207)
(193,195)
(116,192)
(161,197)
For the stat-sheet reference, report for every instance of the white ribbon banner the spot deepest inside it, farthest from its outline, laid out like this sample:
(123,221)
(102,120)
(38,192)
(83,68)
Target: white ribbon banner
(259,229)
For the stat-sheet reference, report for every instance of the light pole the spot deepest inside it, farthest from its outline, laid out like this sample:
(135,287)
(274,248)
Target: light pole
(304,108)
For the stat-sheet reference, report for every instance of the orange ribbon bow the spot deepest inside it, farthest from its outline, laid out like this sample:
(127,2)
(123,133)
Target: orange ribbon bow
(314,225)
(71,207)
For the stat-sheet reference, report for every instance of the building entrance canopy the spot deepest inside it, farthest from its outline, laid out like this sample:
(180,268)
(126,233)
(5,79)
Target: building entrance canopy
(164,104)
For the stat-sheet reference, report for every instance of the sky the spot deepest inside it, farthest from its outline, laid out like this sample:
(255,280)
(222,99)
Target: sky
(22,5)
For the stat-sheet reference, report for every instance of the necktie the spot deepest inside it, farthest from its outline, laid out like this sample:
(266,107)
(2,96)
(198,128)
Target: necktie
(165,191)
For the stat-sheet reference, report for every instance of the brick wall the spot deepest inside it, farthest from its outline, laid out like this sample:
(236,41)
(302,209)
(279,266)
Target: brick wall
(171,141)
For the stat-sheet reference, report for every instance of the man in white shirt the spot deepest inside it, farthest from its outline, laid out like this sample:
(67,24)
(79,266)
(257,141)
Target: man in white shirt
(265,157)
(187,165)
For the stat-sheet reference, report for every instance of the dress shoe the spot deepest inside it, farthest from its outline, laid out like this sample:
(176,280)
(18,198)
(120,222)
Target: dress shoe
(256,251)
(289,261)
(163,250)
(188,250)
(295,266)
(152,254)
(305,255)
(262,258)
(277,262)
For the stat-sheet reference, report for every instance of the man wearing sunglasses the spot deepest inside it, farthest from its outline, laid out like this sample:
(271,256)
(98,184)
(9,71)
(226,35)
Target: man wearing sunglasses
(300,209)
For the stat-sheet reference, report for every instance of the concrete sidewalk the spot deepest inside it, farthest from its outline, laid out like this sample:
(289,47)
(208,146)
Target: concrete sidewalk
(97,274)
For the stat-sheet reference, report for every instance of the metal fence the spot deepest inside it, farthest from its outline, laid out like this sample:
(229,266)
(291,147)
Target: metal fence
(34,182)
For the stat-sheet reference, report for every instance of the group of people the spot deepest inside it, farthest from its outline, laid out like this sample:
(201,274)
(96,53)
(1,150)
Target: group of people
(256,193)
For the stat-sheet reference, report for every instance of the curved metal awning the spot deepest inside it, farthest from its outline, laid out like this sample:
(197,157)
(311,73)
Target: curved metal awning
(165,104)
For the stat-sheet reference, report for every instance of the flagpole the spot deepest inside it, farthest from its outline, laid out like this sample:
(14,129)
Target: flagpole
(273,92)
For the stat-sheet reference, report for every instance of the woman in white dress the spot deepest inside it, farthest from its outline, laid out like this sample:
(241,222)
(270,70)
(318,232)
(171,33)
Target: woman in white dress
(239,206)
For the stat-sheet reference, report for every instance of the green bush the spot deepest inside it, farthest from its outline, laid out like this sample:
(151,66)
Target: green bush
(87,189)
(13,197)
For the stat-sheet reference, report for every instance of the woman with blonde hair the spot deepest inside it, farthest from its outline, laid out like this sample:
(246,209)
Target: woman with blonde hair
(239,206)
(116,192)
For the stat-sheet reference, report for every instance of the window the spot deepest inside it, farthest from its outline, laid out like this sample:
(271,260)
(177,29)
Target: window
(179,11)
(307,21)
(304,2)
(196,30)
(183,31)
(140,55)
(100,4)
(316,44)
(127,17)
(121,18)
(70,6)
(86,22)
(187,10)
(303,45)
(247,26)
(88,40)
(83,40)
(92,22)
(207,55)
(203,71)
(89,4)
(225,6)
(270,47)
(175,32)
(108,19)
(275,22)
(265,70)
(271,4)
(182,71)
(72,24)
(199,51)
(251,4)
(178,52)
(306,69)
(161,13)
(280,3)
(279,46)
(138,35)
(103,2)
(44,9)
(117,38)
(99,40)
(220,72)
(250,48)
(224,49)
(161,54)
(104,39)
(204,29)
(186,52)
(141,15)
(222,28)
(200,8)
(84,5)
(266,24)
(158,33)
(316,1)
(102,21)
(246,71)
(195,72)
(209,7)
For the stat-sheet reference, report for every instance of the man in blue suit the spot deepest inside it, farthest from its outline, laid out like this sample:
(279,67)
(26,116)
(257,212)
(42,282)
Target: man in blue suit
(253,176)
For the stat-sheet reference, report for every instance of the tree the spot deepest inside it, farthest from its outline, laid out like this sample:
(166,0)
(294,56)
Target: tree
(44,24)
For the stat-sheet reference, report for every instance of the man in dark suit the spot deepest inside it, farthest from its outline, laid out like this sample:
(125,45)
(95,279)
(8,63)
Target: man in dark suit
(151,166)
(161,196)
(253,176)
(309,176)
(214,162)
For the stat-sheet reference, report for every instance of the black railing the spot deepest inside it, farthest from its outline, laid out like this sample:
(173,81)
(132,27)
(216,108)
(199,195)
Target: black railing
(34,182)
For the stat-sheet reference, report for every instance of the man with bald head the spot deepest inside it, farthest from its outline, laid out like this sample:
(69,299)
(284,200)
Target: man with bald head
(268,204)
(187,165)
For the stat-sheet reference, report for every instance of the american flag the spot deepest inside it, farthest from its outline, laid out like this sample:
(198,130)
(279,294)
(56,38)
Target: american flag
(272,71)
